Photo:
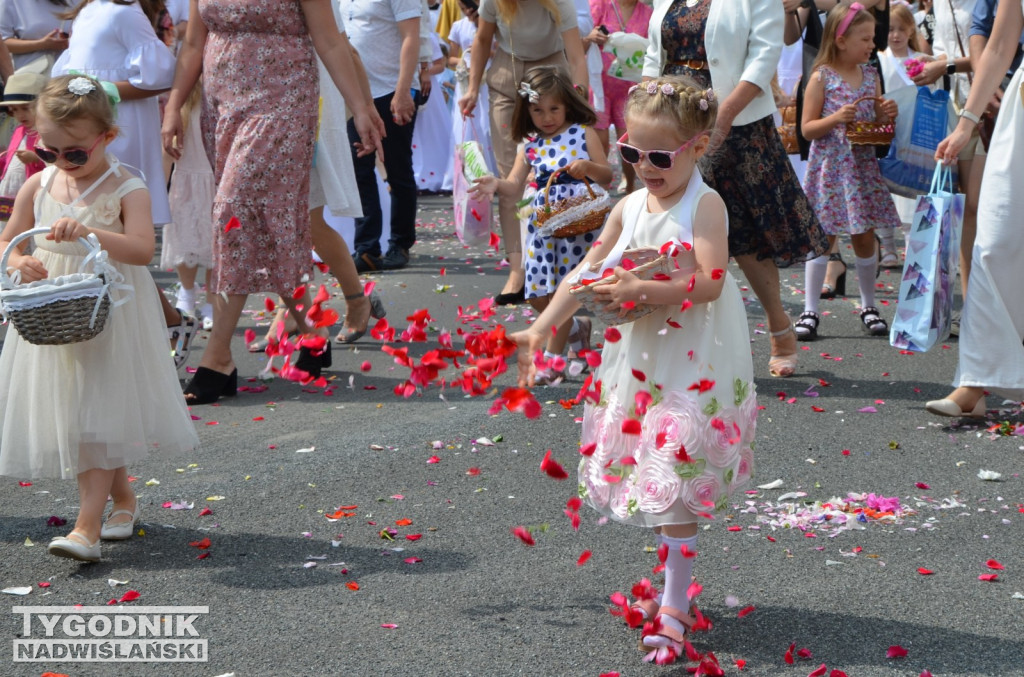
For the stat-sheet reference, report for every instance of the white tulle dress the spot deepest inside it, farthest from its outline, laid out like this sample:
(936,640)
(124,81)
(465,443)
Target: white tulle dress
(116,43)
(673,433)
(102,403)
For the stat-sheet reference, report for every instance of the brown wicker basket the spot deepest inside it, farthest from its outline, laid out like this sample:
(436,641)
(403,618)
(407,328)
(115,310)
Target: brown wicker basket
(573,215)
(649,262)
(861,133)
(69,309)
(787,130)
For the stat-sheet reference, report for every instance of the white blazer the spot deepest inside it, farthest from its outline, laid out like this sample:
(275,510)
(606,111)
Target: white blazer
(743,40)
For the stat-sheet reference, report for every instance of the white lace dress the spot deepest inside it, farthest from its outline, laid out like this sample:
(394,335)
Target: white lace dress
(102,403)
(188,238)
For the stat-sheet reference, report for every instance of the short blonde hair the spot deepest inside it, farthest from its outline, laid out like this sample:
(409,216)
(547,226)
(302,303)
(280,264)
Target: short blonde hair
(58,103)
(678,99)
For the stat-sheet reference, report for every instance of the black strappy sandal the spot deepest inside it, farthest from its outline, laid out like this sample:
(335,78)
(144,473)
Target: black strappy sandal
(873,322)
(806,327)
(209,385)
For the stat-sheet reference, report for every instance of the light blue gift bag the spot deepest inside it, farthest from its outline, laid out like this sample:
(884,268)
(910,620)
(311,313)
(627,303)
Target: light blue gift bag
(925,305)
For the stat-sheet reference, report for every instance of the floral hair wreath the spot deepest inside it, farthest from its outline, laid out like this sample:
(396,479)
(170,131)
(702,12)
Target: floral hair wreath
(668,89)
(528,92)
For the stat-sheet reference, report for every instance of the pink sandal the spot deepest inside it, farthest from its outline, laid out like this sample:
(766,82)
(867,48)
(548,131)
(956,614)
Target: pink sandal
(657,628)
(647,607)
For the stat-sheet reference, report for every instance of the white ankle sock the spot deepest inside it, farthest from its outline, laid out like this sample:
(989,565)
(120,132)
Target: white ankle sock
(678,572)
(866,269)
(186,301)
(888,236)
(814,271)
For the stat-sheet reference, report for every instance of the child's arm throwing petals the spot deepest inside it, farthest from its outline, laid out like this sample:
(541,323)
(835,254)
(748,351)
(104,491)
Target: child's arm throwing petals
(711,250)
(511,186)
(563,305)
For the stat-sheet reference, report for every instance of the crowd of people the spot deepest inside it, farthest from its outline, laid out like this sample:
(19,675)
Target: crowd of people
(248,129)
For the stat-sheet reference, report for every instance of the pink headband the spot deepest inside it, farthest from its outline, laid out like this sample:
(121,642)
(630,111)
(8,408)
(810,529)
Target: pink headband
(848,19)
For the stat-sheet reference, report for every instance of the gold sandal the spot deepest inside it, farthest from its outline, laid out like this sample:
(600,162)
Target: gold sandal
(782,366)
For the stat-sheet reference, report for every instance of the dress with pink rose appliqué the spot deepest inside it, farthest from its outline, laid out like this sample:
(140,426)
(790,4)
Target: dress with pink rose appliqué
(673,433)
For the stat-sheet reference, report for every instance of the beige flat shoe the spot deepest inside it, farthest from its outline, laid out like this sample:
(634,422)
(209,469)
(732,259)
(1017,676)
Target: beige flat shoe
(120,531)
(947,407)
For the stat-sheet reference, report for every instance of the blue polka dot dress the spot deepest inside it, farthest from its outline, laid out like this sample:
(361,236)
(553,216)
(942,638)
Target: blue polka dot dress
(549,259)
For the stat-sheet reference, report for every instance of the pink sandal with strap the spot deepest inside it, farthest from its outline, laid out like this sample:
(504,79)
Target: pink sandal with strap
(657,628)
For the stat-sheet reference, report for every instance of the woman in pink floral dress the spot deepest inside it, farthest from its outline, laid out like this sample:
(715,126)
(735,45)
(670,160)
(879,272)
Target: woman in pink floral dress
(260,106)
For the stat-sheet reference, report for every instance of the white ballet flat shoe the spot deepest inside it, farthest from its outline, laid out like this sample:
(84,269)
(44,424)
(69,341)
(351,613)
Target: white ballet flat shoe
(74,546)
(120,531)
(947,407)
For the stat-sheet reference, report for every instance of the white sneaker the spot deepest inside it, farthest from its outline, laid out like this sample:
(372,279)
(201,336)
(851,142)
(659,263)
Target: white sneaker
(206,312)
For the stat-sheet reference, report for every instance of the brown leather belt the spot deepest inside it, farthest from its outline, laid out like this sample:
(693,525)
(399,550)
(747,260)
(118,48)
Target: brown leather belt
(692,64)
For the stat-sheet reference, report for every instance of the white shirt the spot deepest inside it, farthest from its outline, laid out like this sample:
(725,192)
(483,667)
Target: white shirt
(178,10)
(946,42)
(29,20)
(373,30)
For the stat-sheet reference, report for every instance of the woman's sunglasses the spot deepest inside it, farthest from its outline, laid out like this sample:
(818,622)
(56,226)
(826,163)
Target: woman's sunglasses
(74,156)
(659,159)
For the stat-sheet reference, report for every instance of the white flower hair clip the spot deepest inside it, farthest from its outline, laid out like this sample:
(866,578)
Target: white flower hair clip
(528,92)
(81,86)
(668,90)
(652,87)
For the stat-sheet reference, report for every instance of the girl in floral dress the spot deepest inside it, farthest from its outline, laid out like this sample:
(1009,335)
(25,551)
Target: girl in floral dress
(565,142)
(843,182)
(668,427)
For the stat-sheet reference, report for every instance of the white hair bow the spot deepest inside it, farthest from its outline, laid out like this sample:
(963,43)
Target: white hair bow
(528,92)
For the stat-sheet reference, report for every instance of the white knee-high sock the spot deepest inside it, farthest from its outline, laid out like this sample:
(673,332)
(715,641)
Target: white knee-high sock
(814,272)
(866,269)
(678,573)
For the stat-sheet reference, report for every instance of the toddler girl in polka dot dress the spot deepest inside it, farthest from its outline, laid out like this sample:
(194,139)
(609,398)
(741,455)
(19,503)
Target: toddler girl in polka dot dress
(554,121)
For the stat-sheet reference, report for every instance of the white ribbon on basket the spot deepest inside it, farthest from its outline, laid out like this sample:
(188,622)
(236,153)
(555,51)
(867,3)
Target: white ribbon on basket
(111,276)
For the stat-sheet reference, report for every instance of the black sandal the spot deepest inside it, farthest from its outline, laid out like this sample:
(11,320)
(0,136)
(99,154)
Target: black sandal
(314,364)
(873,322)
(209,385)
(827,290)
(806,327)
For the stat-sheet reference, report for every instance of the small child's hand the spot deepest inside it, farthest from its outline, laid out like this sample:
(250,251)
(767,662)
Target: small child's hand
(27,157)
(577,169)
(889,108)
(529,343)
(622,295)
(484,187)
(847,113)
(30,267)
(67,230)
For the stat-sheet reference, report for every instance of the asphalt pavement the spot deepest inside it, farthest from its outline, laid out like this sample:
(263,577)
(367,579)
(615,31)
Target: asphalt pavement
(309,497)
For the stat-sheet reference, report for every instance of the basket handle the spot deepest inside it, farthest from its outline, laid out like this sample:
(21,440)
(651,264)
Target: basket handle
(554,175)
(8,282)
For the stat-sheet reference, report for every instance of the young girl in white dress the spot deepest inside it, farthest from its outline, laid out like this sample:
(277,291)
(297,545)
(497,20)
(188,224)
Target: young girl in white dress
(188,238)
(432,156)
(556,125)
(88,409)
(669,436)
